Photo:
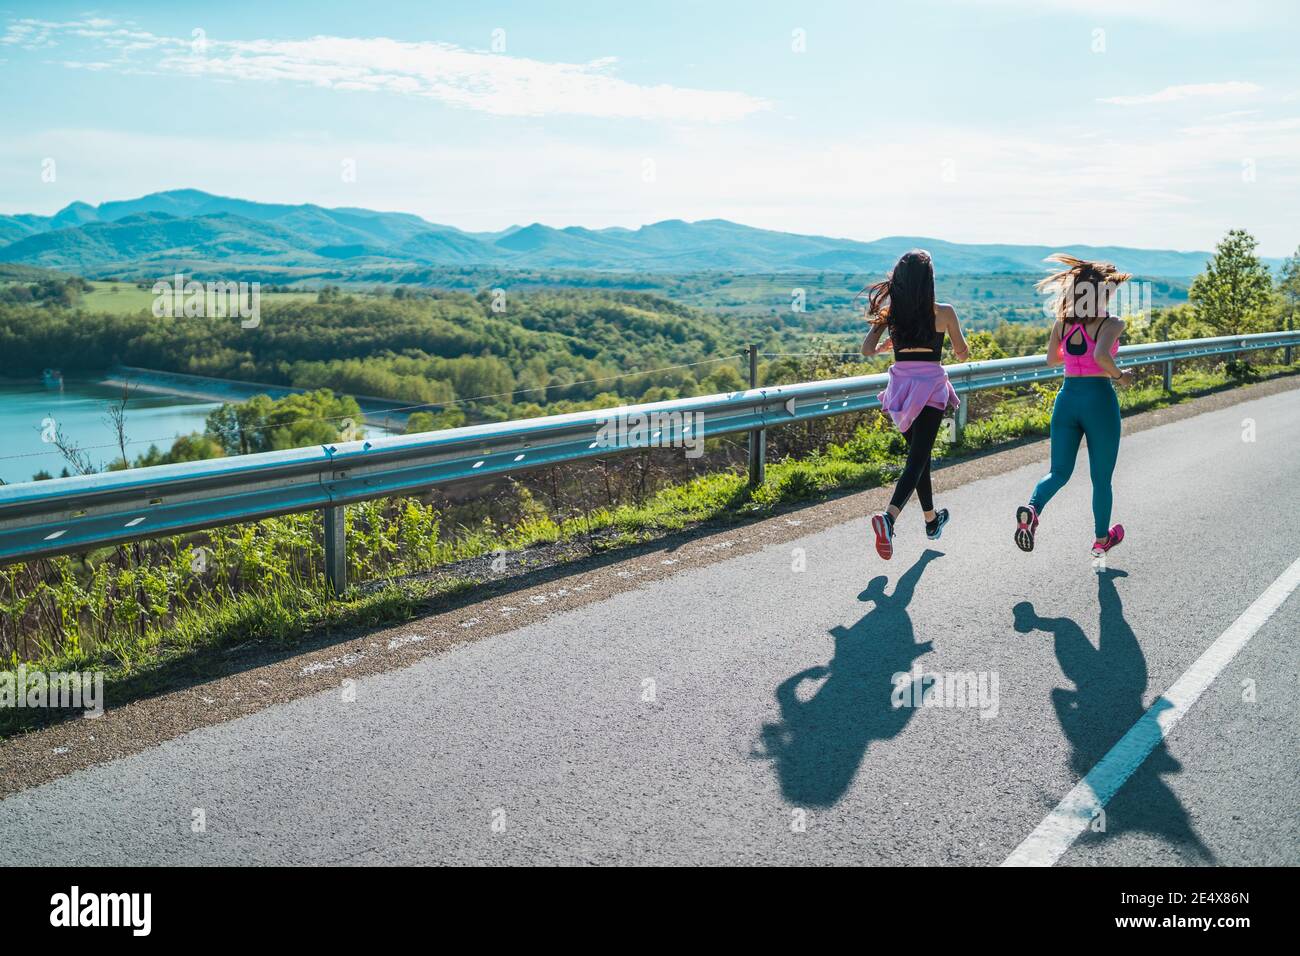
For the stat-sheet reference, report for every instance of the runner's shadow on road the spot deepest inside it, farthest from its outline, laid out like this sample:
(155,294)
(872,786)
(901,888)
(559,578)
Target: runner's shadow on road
(1109,682)
(821,740)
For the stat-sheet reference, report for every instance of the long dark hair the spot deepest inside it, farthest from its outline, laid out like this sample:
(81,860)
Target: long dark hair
(905,301)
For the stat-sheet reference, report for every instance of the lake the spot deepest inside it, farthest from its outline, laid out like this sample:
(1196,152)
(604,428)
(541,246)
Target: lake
(81,412)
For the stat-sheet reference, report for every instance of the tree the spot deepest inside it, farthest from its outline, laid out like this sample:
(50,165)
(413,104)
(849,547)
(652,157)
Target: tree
(1233,293)
(192,447)
(1288,284)
(725,378)
(295,421)
(429,422)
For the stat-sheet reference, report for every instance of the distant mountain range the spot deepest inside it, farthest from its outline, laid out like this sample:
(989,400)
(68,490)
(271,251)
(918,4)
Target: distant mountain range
(196,231)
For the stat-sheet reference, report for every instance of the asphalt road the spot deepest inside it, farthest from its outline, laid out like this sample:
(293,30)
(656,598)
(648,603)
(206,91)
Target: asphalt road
(741,712)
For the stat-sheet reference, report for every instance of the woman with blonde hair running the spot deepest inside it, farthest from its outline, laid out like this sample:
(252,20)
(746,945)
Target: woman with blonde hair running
(1085,339)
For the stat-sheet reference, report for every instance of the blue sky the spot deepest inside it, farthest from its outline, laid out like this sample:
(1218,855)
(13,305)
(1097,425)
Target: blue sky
(1157,124)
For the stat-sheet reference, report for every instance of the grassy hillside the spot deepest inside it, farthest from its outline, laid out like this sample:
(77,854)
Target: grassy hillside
(766,300)
(754,302)
(126,298)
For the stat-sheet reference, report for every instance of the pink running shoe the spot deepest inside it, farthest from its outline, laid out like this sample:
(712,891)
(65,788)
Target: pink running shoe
(1026,525)
(1113,537)
(883,526)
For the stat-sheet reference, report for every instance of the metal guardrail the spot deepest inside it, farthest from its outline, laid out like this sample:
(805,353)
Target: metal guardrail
(68,515)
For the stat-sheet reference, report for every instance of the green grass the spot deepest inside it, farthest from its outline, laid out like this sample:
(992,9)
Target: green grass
(194,649)
(126,298)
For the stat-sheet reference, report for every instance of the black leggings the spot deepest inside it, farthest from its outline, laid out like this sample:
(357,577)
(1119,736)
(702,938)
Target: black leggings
(916,473)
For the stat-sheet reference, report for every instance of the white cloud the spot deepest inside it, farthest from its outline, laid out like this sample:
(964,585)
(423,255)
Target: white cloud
(1204,15)
(468,79)
(1172,94)
(1231,115)
(34,34)
(1238,127)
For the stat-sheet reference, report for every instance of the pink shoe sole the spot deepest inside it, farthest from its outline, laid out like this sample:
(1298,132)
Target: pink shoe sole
(884,538)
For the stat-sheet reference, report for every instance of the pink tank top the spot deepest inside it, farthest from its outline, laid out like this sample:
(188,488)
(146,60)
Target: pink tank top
(1077,347)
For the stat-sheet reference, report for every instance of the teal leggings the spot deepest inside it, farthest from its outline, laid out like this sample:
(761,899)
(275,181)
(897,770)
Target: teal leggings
(1084,406)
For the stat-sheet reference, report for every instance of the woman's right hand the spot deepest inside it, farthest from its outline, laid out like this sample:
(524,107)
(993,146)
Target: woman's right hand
(1125,379)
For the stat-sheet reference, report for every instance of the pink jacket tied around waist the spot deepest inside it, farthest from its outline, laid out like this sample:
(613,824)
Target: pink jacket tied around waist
(914,386)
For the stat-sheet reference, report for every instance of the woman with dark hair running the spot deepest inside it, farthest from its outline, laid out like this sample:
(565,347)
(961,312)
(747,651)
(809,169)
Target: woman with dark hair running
(918,392)
(1085,339)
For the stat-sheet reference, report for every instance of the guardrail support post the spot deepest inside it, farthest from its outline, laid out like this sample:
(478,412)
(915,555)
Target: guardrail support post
(336,550)
(1169,376)
(757,437)
(962,416)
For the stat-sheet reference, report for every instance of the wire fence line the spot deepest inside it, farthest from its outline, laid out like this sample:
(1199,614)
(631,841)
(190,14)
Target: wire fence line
(717,360)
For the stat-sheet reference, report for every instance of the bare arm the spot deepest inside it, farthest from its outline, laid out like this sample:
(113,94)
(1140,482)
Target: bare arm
(1054,356)
(872,345)
(952,325)
(1106,338)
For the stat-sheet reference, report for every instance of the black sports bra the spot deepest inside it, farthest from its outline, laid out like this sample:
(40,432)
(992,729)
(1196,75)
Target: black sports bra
(933,350)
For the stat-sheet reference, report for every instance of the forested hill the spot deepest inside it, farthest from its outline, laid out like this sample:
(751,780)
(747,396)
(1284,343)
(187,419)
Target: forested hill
(194,231)
(437,348)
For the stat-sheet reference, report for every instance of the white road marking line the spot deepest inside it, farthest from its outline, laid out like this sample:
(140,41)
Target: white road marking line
(1075,813)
